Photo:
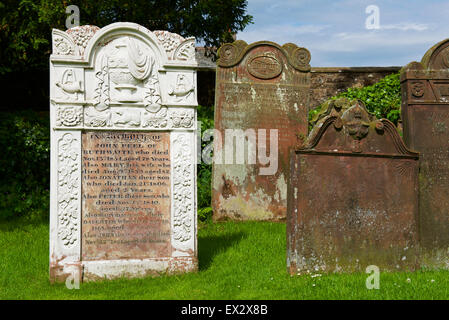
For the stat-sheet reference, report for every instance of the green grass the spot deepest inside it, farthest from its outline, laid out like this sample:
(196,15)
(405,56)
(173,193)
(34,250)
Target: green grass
(236,261)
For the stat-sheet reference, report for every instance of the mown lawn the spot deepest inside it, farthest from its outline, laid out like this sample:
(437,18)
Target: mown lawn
(237,261)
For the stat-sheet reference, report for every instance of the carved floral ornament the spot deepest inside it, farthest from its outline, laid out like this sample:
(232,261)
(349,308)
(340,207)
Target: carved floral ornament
(68,189)
(69,116)
(81,35)
(176,47)
(62,46)
(172,117)
(73,41)
(182,188)
(182,118)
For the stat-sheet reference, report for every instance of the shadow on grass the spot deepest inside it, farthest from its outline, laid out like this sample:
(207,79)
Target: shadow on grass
(210,246)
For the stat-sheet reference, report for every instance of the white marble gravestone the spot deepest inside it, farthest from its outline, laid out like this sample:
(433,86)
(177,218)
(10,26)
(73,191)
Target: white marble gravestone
(123,148)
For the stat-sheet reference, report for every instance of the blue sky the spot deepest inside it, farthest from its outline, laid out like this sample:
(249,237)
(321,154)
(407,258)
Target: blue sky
(335,32)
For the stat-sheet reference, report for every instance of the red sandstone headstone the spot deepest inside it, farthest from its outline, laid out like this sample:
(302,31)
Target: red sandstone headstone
(425,114)
(353,196)
(260,88)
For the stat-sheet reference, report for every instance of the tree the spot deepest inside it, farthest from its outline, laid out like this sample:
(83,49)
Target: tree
(25,25)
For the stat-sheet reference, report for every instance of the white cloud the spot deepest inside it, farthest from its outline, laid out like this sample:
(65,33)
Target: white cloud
(335,33)
(281,33)
(309,29)
(405,27)
(374,40)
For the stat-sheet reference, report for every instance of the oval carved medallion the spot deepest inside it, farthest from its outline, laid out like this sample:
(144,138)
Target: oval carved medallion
(264,66)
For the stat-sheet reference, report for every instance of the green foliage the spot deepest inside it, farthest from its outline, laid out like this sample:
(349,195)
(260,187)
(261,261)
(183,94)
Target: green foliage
(24,165)
(205,214)
(206,119)
(313,114)
(24,38)
(26,25)
(383,98)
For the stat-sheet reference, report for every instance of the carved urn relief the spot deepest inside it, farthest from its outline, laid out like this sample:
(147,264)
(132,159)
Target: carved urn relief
(121,77)
(128,74)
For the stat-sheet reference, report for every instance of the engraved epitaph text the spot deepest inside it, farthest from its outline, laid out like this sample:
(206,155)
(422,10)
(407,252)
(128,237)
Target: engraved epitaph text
(125,195)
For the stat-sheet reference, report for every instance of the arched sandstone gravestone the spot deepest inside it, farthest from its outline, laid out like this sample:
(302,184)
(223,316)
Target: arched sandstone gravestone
(425,114)
(123,148)
(352,195)
(262,95)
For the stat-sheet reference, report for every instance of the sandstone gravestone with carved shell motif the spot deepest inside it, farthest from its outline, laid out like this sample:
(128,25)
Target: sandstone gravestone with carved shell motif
(261,107)
(123,148)
(425,114)
(352,196)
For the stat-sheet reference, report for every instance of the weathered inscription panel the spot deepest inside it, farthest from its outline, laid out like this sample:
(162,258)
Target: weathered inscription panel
(353,197)
(347,229)
(288,101)
(425,113)
(125,195)
(434,172)
(262,90)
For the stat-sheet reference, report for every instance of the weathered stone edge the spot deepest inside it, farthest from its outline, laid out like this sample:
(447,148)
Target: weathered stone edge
(238,49)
